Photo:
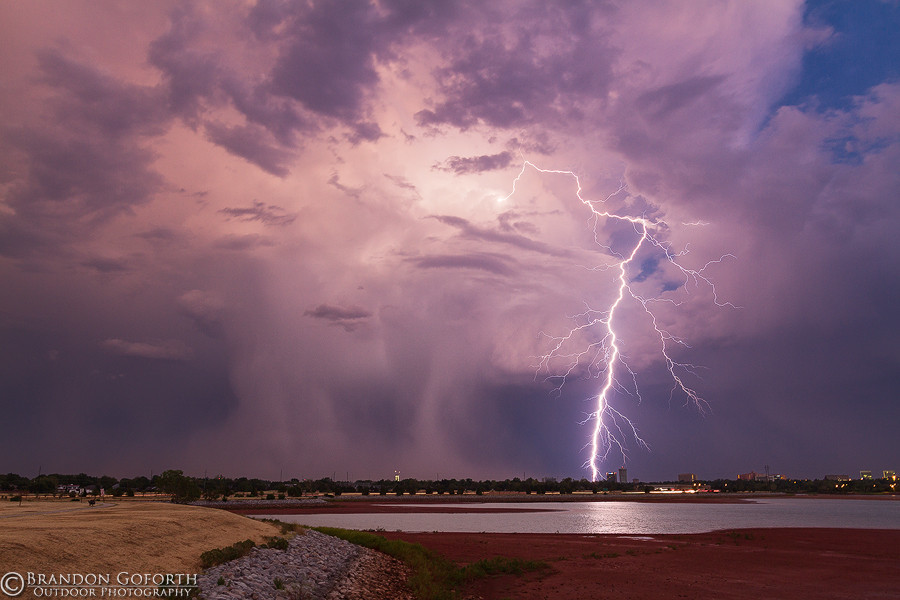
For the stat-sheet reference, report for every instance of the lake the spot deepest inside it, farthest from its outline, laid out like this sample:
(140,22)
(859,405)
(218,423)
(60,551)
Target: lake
(626,517)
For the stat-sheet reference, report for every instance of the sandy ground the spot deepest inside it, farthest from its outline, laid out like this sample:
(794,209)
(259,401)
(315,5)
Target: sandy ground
(145,537)
(739,564)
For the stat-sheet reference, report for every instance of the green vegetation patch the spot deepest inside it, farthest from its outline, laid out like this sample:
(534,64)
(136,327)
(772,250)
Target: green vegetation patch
(278,543)
(286,528)
(211,558)
(501,565)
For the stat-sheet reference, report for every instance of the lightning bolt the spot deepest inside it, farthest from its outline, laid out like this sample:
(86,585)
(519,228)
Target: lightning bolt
(603,357)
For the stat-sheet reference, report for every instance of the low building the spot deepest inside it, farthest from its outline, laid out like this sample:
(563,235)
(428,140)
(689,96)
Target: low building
(754,476)
(837,478)
(889,475)
(687,478)
(865,474)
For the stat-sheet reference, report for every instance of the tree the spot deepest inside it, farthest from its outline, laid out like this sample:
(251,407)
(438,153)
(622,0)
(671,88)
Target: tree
(42,484)
(107,482)
(182,488)
(13,481)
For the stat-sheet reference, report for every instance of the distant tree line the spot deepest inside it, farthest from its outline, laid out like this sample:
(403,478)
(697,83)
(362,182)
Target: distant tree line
(807,486)
(184,488)
(49,485)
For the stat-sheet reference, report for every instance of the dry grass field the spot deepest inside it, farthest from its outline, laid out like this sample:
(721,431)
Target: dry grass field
(138,537)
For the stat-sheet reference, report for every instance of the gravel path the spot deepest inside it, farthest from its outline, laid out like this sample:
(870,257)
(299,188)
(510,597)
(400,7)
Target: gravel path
(314,567)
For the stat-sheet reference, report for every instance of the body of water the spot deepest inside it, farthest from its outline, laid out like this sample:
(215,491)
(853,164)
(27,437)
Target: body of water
(627,517)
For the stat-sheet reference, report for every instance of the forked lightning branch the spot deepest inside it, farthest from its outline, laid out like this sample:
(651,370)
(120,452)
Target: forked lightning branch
(603,356)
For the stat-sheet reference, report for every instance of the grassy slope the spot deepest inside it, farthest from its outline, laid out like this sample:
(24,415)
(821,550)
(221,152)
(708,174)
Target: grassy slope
(144,537)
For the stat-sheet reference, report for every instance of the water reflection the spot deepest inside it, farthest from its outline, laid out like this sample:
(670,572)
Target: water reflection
(628,517)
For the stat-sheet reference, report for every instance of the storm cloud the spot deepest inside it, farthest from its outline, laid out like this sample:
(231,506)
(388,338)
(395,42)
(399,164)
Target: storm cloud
(299,236)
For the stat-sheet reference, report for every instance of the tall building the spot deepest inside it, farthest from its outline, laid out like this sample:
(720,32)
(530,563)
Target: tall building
(623,475)
(686,478)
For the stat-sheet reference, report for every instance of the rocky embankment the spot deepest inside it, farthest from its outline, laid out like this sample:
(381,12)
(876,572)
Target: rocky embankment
(315,566)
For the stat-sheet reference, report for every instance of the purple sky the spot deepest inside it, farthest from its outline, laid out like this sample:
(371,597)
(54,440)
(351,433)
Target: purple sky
(261,238)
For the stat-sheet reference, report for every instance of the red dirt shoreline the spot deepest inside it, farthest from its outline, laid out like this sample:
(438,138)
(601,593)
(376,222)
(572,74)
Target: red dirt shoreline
(740,564)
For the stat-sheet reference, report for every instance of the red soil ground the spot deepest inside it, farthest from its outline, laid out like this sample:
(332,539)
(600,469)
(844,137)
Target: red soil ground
(738,564)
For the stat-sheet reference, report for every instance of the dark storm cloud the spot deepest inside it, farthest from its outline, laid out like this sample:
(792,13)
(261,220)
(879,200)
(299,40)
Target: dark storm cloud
(99,104)
(326,65)
(163,350)
(198,77)
(249,142)
(324,71)
(277,115)
(514,221)
(87,167)
(476,164)
(267,214)
(492,263)
(350,318)
(473,232)
(661,102)
(329,63)
(159,234)
(164,325)
(335,181)
(337,313)
(402,182)
(106,265)
(509,77)
(329,60)
(365,132)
